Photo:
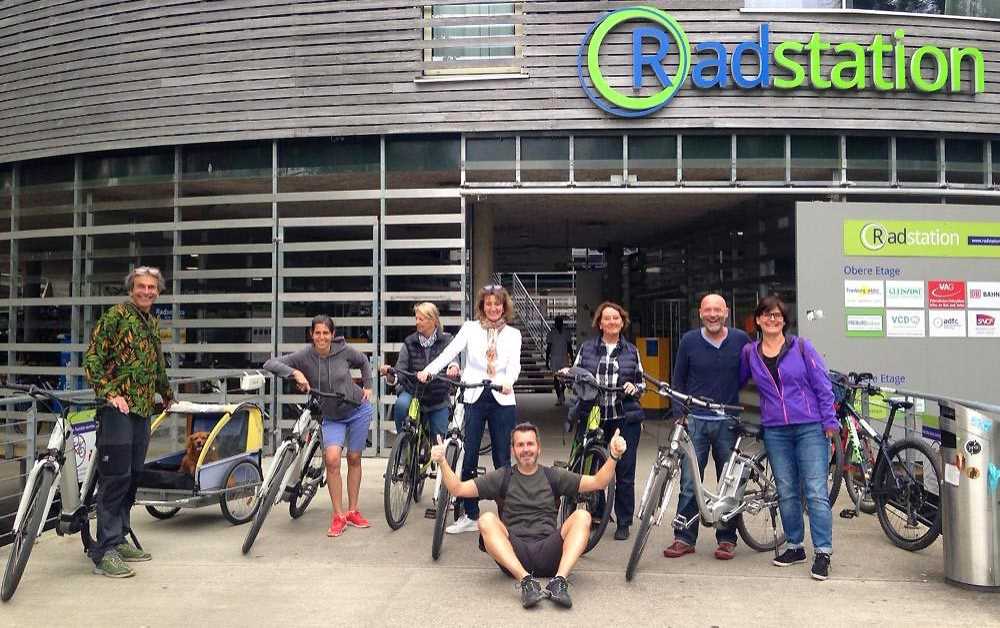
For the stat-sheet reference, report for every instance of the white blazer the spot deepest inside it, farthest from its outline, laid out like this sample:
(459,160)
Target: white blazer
(472,338)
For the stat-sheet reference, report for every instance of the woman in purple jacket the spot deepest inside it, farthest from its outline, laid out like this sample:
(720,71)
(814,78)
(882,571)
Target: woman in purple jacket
(796,409)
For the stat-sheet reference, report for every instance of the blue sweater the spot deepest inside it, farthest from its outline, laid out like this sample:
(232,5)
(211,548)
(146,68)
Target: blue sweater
(701,369)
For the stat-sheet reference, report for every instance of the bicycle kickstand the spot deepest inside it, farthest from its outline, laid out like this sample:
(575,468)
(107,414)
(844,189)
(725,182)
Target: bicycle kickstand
(135,539)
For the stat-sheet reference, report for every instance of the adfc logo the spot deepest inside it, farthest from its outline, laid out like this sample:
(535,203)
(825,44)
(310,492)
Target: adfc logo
(650,25)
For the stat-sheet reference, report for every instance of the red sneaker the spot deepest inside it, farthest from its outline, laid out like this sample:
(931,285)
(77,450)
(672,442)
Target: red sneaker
(337,525)
(678,549)
(355,519)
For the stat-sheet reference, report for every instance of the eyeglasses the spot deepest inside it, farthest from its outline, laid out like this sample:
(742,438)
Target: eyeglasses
(773,316)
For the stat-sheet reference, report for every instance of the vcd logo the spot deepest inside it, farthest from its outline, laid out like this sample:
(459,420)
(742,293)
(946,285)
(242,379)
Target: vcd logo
(660,27)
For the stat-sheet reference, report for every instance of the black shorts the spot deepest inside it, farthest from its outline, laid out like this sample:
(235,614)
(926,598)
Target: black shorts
(538,557)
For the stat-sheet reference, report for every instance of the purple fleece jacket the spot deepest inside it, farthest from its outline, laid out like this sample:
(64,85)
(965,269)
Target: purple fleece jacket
(805,395)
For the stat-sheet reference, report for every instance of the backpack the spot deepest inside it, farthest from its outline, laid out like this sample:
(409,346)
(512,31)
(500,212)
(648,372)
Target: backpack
(508,472)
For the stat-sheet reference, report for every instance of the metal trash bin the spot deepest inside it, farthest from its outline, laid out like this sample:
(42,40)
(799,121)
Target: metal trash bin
(970,527)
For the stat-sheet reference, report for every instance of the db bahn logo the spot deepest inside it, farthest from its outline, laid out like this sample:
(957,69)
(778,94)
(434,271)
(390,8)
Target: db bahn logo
(660,27)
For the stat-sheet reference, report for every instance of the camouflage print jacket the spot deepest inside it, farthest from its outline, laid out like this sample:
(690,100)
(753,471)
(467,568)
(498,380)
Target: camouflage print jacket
(125,358)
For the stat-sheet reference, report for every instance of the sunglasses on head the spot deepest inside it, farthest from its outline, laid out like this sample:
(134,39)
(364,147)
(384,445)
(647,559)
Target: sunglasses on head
(493,287)
(147,270)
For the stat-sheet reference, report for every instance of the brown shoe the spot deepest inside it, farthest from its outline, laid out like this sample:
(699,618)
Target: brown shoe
(678,549)
(725,551)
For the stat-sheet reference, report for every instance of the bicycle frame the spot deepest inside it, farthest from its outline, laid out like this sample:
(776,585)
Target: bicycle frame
(714,507)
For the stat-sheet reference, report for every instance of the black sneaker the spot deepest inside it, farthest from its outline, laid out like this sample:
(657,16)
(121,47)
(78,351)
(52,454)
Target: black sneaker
(821,567)
(558,591)
(621,533)
(791,557)
(531,592)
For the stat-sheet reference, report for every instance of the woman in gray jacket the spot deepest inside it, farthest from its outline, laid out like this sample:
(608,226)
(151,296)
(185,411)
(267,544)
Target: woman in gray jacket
(326,365)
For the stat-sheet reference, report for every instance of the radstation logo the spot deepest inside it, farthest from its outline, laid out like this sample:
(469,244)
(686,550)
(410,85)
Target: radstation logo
(656,42)
(660,27)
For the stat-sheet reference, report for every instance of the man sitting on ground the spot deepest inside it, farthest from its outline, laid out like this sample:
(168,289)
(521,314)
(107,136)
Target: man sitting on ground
(525,540)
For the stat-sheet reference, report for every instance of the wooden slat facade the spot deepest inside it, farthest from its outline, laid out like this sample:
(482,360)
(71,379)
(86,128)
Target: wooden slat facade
(96,75)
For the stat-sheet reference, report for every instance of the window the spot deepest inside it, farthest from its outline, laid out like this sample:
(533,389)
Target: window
(969,8)
(545,159)
(916,160)
(868,159)
(760,158)
(964,162)
(652,158)
(490,159)
(706,158)
(816,158)
(480,38)
(597,159)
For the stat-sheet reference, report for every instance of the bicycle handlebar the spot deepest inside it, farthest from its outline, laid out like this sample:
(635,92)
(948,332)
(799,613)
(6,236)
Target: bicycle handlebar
(66,398)
(332,395)
(590,381)
(448,380)
(664,390)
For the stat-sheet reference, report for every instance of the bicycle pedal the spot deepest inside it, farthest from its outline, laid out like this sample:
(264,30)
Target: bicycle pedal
(430,513)
(847,513)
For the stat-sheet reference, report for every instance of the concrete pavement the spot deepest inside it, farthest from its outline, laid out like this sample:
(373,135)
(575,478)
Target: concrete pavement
(295,575)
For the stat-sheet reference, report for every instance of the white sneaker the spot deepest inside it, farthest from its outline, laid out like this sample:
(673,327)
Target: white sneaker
(464,524)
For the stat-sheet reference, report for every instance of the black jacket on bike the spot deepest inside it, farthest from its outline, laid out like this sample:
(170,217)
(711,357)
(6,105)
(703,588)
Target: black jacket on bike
(414,357)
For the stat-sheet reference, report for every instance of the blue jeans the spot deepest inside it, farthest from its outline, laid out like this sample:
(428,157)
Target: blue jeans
(800,459)
(437,420)
(705,434)
(501,423)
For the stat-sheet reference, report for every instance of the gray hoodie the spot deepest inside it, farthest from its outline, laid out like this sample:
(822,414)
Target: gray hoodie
(330,373)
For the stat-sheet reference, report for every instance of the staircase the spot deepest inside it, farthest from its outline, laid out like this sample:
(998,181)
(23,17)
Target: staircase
(532,319)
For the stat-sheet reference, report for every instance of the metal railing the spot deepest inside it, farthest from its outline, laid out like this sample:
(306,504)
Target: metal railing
(533,320)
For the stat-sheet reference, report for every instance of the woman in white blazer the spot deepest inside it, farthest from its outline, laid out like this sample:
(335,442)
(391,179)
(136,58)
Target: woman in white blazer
(492,351)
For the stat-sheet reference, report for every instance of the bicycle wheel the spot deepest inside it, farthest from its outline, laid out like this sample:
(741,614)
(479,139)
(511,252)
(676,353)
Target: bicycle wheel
(836,474)
(28,530)
(398,491)
(662,484)
(268,496)
(598,503)
(906,490)
(87,536)
(238,501)
(451,454)
(309,482)
(858,466)
(759,525)
(420,477)
(162,513)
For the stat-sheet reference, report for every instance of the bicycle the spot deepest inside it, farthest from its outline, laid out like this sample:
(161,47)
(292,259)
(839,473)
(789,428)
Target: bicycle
(55,470)
(886,477)
(454,453)
(746,486)
(587,454)
(409,462)
(296,460)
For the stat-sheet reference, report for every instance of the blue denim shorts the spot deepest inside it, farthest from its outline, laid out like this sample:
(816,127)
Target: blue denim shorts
(352,430)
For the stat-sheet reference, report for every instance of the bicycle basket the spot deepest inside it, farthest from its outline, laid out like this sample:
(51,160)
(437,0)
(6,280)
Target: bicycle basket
(581,388)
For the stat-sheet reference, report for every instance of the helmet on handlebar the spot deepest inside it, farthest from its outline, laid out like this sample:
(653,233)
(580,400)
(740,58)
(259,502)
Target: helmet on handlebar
(581,378)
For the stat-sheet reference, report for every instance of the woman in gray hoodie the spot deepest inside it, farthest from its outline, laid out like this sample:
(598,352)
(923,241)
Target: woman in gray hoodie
(326,366)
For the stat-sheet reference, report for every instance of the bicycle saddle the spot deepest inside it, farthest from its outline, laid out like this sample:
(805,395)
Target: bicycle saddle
(745,429)
(900,403)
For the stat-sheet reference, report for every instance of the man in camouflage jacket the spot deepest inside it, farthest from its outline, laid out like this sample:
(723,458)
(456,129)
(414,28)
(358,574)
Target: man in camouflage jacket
(124,364)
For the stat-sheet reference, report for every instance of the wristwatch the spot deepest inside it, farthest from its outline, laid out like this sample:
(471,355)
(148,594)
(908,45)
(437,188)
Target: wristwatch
(614,457)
